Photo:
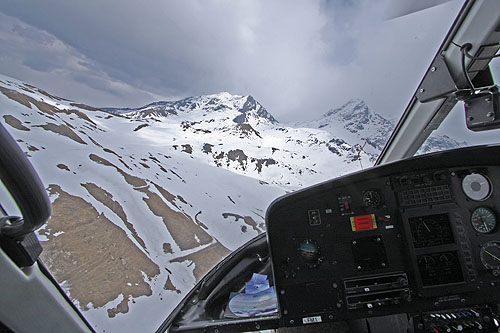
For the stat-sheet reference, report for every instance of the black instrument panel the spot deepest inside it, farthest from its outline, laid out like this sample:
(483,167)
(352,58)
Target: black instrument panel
(410,236)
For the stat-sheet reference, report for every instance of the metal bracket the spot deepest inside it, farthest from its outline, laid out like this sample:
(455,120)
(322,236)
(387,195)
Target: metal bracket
(482,112)
(437,82)
(23,251)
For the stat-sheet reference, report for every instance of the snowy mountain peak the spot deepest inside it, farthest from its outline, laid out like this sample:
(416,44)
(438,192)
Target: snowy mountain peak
(253,109)
(354,108)
(241,109)
(223,96)
(355,122)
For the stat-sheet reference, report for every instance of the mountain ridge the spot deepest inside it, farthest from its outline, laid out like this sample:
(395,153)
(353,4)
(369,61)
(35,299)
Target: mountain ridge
(162,197)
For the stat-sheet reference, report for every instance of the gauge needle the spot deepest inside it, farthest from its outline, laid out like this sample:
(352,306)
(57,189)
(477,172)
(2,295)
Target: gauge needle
(491,254)
(484,223)
(426,227)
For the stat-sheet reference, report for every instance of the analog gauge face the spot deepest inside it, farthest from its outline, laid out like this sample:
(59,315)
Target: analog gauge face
(309,251)
(371,199)
(432,230)
(426,260)
(476,186)
(483,220)
(490,255)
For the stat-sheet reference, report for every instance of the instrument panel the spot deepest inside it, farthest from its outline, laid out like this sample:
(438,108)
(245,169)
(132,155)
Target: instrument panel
(415,235)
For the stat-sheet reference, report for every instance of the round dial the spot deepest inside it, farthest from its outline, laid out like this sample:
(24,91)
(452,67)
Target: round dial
(371,198)
(476,186)
(309,251)
(483,220)
(490,255)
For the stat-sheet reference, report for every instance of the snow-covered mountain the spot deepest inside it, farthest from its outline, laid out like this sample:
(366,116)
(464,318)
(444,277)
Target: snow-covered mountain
(239,134)
(356,123)
(147,200)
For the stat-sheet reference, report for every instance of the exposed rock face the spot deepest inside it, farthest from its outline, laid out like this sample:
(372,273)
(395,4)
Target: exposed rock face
(90,253)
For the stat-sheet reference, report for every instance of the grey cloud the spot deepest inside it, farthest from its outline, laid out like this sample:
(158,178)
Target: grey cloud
(298,58)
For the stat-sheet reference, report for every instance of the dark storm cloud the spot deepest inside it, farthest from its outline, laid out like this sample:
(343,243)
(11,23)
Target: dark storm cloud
(298,58)
(38,57)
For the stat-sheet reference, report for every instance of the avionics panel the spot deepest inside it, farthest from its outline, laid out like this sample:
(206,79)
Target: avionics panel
(415,235)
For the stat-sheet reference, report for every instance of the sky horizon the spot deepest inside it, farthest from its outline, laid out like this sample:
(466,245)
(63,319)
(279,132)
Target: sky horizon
(299,59)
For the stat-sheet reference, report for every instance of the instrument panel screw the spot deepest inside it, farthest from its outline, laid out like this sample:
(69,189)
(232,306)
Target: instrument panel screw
(353,242)
(421,90)
(330,317)
(433,69)
(257,326)
(359,267)
(292,322)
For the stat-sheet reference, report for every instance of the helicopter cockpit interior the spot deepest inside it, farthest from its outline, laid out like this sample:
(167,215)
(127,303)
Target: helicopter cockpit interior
(409,245)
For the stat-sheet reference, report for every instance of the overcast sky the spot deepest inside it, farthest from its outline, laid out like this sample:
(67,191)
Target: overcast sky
(298,58)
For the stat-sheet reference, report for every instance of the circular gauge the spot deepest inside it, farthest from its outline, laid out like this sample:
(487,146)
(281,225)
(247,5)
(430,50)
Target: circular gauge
(490,255)
(371,199)
(476,186)
(309,251)
(483,220)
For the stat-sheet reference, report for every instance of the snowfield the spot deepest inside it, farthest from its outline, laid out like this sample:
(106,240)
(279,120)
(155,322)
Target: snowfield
(147,200)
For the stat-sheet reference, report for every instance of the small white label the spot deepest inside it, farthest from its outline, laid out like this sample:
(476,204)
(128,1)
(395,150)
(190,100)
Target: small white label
(390,226)
(328,211)
(311,320)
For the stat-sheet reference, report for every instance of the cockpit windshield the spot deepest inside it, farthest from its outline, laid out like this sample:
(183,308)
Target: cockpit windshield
(162,132)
